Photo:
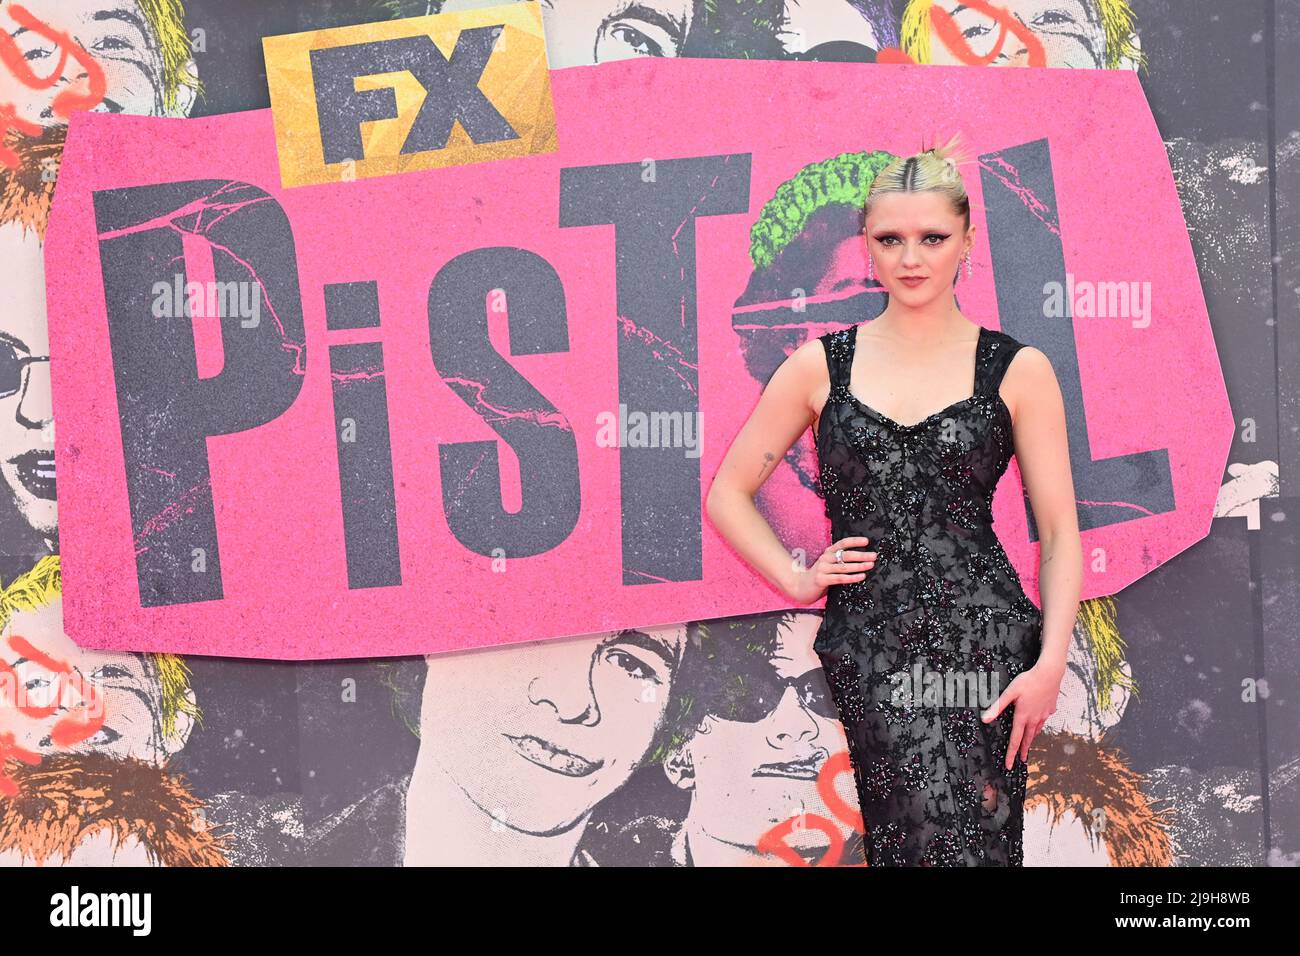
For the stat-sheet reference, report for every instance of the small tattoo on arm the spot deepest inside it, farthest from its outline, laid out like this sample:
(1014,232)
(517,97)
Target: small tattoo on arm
(768,462)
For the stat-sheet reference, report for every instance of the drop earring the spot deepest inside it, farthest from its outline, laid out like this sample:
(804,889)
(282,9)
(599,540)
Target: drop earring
(968,266)
(870,271)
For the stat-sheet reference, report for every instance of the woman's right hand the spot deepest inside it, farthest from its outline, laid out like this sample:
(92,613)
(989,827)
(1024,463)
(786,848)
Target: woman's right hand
(811,583)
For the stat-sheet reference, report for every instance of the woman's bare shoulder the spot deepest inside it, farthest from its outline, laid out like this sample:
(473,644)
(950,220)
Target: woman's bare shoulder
(810,363)
(1028,374)
(1029,366)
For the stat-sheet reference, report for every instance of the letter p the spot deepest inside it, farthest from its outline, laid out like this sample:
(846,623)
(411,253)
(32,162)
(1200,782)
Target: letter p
(167,411)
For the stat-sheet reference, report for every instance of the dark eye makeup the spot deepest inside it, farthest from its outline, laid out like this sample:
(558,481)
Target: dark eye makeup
(941,236)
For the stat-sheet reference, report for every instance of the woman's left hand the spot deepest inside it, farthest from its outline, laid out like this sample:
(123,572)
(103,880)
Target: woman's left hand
(1034,692)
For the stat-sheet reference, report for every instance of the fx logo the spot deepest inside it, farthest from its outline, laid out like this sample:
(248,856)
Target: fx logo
(384,98)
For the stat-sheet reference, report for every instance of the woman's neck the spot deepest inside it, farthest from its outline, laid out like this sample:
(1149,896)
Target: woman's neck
(917,328)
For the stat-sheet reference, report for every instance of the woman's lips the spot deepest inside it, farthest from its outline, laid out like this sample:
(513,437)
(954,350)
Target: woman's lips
(912,281)
(36,472)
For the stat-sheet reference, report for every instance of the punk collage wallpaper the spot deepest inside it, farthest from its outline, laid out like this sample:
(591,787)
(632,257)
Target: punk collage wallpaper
(1176,741)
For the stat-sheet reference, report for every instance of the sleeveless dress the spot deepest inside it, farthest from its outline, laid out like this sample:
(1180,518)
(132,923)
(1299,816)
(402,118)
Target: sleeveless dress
(918,649)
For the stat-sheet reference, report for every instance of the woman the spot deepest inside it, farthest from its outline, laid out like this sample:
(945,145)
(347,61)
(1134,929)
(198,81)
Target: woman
(940,780)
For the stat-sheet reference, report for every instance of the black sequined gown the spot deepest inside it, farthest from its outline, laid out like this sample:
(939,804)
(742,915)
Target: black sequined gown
(942,600)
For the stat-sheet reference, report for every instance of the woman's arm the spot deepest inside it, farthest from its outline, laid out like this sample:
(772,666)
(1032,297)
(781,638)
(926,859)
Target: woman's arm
(1038,430)
(1042,451)
(783,413)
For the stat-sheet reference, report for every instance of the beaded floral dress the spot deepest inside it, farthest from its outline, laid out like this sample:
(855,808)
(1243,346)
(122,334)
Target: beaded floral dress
(916,651)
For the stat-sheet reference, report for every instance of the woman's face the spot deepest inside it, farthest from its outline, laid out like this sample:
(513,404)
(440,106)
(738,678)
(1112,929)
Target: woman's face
(1069,31)
(916,234)
(26,421)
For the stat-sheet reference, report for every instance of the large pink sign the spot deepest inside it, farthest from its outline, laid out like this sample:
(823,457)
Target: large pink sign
(482,405)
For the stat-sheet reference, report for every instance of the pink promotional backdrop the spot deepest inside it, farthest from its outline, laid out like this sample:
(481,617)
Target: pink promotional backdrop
(276,487)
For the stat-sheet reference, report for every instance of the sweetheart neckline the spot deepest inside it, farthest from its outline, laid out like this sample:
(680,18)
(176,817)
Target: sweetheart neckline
(853,352)
(821,418)
(890,421)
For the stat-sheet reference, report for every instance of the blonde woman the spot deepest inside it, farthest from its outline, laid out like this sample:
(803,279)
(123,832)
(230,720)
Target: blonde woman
(942,669)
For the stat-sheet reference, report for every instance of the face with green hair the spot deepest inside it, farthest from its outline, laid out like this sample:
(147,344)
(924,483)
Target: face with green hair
(1072,33)
(120,39)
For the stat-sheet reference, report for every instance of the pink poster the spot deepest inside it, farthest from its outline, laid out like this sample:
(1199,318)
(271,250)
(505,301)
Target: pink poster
(481,405)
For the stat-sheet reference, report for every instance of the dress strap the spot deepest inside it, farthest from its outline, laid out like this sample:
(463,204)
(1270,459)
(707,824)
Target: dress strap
(996,352)
(838,346)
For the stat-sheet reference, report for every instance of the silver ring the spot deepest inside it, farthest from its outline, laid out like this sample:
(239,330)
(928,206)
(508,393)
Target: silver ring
(839,555)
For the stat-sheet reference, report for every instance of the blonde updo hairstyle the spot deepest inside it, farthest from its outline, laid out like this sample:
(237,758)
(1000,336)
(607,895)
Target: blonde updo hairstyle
(933,170)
